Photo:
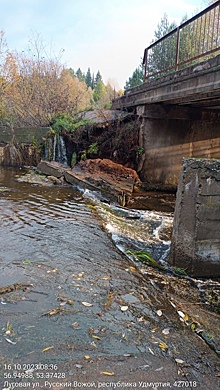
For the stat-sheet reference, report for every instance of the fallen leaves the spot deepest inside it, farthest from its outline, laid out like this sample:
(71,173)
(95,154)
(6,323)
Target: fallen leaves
(10,341)
(179,361)
(47,348)
(9,332)
(166,331)
(107,373)
(109,300)
(124,308)
(96,337)
(75,325)
(14,287)
(87,304)
(56,311)
(163,346)
(64,300)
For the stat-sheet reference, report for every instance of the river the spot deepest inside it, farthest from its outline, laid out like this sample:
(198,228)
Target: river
(69,293)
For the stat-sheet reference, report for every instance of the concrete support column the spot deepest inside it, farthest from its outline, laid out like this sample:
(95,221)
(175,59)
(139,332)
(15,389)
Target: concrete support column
(168,133)
(196,229)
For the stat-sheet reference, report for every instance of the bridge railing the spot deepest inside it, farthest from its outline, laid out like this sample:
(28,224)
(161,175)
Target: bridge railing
(197,38)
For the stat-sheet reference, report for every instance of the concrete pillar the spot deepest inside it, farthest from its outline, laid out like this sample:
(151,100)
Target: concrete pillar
(167,134)
(196,228)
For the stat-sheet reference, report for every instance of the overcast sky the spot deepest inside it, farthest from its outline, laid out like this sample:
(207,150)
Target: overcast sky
(105,35)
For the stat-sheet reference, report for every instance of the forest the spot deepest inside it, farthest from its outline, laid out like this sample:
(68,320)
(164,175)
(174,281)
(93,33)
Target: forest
(36,89)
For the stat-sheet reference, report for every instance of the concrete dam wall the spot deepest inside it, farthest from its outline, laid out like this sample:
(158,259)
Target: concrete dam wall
(21,146)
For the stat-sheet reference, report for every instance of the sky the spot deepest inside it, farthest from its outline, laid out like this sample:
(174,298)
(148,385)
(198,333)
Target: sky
(105,35)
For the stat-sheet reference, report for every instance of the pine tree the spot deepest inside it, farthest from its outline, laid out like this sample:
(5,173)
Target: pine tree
(97,79)
(162,56)
(93,81)
(71,72)
(80,75)
(88,78)
(136,79)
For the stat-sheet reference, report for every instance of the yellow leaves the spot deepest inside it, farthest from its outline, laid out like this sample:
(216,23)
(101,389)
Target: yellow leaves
(163,346)
(52,312)
(86,357)
(187,321)
(64,300)
(107,373)
(56,311)
(105,277)
(48,348)
(109,300)
(92,207)
(70,302)
(96,337)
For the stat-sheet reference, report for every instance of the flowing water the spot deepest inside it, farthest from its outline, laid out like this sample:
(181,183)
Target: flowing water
(63,281)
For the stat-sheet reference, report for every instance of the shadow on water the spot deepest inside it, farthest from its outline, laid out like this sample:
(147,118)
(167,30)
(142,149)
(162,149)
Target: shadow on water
(67,292)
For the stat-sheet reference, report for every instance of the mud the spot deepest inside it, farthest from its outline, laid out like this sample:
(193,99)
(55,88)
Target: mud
(72,302)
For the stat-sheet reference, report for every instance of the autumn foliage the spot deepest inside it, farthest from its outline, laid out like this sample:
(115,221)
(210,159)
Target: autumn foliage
(35,88)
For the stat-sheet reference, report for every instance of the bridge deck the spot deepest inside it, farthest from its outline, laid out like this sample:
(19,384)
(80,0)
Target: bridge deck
(198,85)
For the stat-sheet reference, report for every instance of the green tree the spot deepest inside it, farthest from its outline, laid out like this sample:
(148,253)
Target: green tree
(98,78)
(93,81)
(100,94)
(136,79)
(80,75)
(162,56)
(71,72)
(88,78)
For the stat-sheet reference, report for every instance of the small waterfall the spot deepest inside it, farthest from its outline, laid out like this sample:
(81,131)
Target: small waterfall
(55,150)
(59,150)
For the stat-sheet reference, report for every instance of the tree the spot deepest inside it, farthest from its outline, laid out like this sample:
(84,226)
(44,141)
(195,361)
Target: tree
(98,78)
(110,91)
(37,88)
(136,79)
(71,72)
(198,39)
(88,78)
(100,94)
(80,75)
(162,56)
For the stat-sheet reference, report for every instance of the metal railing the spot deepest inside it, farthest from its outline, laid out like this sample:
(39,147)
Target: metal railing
(194,39)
